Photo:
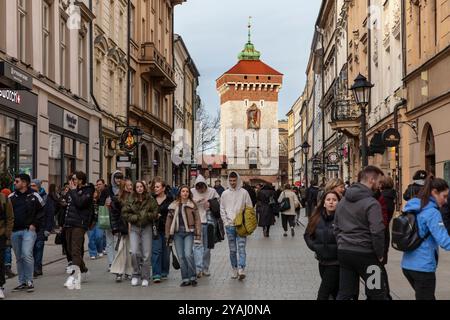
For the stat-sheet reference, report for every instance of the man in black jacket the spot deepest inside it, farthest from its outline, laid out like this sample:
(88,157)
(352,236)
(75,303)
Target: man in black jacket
(79,218)
(359,230)
(311,198)
(28,218)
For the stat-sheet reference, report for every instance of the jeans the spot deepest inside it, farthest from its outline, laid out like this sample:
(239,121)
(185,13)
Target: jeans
(141,250)
(285,219)
(23,244)
(75,247)
(111,241)
(330,282)
(202,255)
(160,257)
(423,283)
(184,243)
(236,244)
(38,253)
(95,241)
(2,262)
(355,265)
(8,257)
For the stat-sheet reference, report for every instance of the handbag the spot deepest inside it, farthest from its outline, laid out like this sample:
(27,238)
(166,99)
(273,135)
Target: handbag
(246,222)
(103,218)
(285,204)
(175,263)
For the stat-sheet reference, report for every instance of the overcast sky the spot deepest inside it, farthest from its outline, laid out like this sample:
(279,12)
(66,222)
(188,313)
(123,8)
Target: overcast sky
(216,31)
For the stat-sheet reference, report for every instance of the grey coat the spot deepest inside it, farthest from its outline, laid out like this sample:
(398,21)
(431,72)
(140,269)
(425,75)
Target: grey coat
(358,222)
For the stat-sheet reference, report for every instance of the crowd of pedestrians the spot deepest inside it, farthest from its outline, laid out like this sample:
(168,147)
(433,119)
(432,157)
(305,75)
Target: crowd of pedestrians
(142,228)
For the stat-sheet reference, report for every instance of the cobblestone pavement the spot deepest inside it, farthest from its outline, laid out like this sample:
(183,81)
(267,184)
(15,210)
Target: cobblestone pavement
(278,269)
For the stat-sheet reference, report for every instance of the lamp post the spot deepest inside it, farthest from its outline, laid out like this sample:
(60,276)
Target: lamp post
(292,161)
(361,91)
(305,150)
(210,168)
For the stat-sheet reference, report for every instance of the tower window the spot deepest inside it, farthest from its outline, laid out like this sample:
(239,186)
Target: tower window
(257,77)
(245,77)
(270,78)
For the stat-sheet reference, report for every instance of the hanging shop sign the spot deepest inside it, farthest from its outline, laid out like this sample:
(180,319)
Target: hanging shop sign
(128,139)
(391,138)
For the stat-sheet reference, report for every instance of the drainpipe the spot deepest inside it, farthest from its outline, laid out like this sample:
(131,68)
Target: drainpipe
(398,180)
(128,61)
(404,38)
(91,89)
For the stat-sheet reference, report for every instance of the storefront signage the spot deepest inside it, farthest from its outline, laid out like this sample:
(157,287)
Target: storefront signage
(391,138)
(16,75)
(11,95)
(333,167)
(70,121)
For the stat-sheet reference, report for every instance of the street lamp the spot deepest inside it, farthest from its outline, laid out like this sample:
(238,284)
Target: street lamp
(361,91)
(292,161)
(210,168)
(305,150)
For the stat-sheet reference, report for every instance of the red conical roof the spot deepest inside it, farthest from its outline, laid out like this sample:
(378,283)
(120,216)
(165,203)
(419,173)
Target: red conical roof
(253,67)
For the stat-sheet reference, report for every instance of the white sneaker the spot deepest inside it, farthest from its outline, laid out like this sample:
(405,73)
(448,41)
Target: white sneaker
(144,283)
(93,258)
(134,282)
(69,269)
(2,294)
(77,284)
(100,255)
(241,274)
(69,282)
(206,273)
(235,274)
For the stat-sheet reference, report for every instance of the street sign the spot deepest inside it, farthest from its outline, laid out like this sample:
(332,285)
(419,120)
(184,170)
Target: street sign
(124,161)
(333,167)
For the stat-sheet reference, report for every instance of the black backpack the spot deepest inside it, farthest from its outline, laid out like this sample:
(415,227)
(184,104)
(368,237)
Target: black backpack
(405,232)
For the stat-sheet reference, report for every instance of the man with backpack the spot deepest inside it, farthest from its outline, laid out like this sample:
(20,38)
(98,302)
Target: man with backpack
(28,219)
(359,230)
(6,227)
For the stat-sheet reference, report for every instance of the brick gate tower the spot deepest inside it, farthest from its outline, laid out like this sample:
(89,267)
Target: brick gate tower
(249,116)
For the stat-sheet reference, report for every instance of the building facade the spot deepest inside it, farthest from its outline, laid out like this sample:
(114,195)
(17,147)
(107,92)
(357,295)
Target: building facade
(291,142)
(185,104)
(249,110)
(49,125)
(152,85)
(283,176)
(110,76)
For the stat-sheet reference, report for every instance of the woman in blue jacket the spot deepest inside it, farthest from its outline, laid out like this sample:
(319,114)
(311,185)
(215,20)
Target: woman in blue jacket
(419,266)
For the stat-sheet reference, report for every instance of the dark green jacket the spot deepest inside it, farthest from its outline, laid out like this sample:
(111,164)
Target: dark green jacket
(140,213)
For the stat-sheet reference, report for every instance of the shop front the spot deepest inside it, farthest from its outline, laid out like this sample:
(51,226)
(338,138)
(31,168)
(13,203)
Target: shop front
(68,144)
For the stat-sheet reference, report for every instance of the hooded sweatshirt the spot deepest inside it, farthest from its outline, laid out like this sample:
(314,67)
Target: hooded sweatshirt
(429,219)
(234,201)
(201,198)
(358,222)
(114,188)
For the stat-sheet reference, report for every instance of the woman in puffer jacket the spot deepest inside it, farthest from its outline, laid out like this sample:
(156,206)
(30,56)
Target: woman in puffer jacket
(320,238)
(141,212)
(122,260)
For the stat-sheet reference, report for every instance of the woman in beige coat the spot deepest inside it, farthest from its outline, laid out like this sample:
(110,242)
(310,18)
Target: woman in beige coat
(289,215)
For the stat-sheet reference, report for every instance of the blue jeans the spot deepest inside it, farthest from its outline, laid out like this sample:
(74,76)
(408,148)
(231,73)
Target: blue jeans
(160,257)
(38,254)
(184,243)
(23,244)
(202,255)
(8,257)
(95,241)
(236,244)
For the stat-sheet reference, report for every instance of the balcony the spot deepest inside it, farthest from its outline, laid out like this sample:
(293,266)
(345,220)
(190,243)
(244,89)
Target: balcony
(345,116)
(156,66)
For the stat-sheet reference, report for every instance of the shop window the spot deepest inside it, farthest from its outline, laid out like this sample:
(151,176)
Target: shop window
(81,157)
(26,148)
(54,159)
(7,128)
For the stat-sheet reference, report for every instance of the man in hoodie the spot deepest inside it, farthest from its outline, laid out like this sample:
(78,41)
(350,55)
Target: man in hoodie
(28,218)
(359,230)
(201,195)
(235,200)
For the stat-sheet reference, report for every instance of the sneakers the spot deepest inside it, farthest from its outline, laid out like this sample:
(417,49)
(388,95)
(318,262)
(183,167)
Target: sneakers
(292,232)
(119,278)
(144,283)
(69,269)
(185,284)
(93,257)
(2,293)
(30,286)
(241,274)
(206,273)
(21,287)
(37,273)
(285,234)
(157,280)
(100,255)
(69,282)
(235,274)
(164,277)
(199,275)
(194,283)
(134,282)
